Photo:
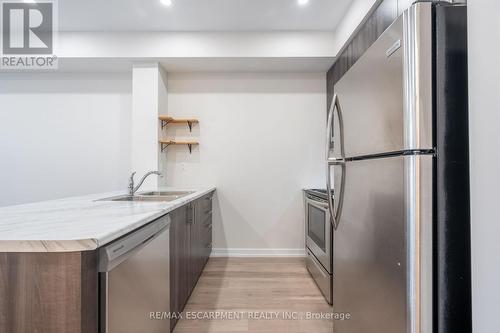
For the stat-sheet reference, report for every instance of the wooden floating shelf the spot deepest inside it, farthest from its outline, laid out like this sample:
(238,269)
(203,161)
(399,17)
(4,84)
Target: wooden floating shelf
(165,143)
(165,120)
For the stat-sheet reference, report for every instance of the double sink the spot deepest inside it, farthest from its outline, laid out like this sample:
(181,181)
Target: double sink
(165,196)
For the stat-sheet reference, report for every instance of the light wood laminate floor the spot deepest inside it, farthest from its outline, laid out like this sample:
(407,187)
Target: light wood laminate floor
(244,285)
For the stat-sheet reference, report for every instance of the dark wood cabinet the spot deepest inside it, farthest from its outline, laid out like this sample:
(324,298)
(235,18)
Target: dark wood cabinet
(190,248)
(179,259)
(205,222)
(195,266)
(201,236)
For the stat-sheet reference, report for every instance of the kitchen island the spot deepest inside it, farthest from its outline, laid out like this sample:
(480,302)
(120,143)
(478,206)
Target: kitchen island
(49,255)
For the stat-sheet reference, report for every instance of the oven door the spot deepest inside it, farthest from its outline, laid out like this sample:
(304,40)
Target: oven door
(318,231)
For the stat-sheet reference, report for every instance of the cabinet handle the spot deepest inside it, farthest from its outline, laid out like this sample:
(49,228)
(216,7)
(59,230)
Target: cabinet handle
(190,214)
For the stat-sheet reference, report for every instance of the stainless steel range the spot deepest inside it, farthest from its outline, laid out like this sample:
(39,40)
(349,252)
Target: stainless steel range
(319,238)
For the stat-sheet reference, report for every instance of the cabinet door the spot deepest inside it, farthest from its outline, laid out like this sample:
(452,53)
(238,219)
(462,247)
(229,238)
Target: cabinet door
(208,238)
(207,228)
(201,238)
(179,259)
(195,255)
(190,247)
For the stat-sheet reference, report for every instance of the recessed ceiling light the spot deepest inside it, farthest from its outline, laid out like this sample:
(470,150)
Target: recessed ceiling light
(303,2)
(166,2)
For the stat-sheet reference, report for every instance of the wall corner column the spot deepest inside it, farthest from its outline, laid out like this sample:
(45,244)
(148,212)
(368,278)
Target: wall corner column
(148,102)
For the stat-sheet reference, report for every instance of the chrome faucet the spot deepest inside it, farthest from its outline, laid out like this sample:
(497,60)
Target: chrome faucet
(132,189)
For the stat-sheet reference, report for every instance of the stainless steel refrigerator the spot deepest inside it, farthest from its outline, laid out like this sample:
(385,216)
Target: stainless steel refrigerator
(397,157)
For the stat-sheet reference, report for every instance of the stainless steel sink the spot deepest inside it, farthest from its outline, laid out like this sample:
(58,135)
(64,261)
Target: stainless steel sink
(164,196)
(141,198)
(166,193)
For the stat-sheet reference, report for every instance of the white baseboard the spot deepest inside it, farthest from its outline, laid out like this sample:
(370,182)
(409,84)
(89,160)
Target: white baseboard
(251,252)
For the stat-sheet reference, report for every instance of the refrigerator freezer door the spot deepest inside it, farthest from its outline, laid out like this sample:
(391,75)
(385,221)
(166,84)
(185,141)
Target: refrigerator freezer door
(418,114)
(386,96)
(375,275)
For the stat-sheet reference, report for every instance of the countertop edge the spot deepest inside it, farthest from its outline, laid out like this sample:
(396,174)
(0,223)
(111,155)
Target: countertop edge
(90,244)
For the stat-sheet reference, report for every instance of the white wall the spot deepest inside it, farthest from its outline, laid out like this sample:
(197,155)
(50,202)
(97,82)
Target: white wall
(278,51)
(261,141)
(63,135)
(484,94)
(151,44)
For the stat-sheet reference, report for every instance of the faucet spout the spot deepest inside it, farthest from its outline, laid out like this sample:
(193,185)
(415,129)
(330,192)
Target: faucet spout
(132,189)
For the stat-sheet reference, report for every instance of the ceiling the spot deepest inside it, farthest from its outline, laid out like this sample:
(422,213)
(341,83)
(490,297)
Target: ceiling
(200,15)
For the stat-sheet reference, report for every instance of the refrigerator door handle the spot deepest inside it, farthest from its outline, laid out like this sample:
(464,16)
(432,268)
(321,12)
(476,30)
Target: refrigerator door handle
(335,214)
(334,106)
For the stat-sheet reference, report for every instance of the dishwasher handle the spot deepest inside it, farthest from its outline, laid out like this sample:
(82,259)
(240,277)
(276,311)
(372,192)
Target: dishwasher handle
(117,252)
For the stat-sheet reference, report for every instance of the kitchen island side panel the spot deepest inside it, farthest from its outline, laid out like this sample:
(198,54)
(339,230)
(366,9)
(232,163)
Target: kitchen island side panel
(48,292)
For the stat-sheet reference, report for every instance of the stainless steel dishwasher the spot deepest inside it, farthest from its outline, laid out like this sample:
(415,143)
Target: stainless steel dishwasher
(134,281)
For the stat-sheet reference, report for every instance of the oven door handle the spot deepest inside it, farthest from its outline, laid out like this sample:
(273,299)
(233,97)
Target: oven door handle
(339,192)
(316,203)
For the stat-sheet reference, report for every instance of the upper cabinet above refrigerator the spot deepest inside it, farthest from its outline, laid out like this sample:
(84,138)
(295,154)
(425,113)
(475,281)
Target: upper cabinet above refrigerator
(383,104)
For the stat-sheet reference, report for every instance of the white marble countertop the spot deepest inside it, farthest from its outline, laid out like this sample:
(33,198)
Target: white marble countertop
(79,223)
